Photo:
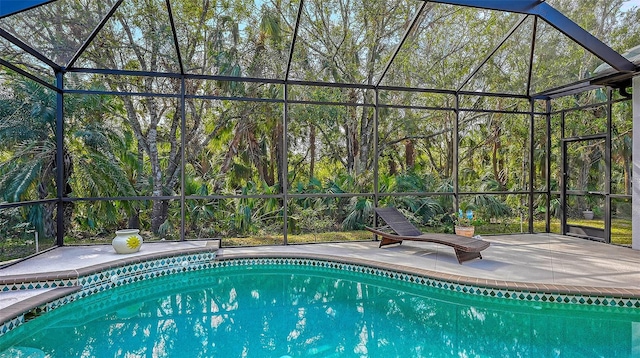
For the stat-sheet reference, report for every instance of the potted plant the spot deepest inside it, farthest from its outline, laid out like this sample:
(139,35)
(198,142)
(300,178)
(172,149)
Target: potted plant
(464,222)
(588,212)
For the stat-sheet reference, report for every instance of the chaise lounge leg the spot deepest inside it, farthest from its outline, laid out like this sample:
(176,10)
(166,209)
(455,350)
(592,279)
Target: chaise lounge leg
(386,241)
(466,256)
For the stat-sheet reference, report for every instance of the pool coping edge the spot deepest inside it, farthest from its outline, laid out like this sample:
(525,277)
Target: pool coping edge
(76,287)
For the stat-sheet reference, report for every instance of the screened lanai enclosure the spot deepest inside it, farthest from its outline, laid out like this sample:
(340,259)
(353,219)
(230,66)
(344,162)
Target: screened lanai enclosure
(282,122)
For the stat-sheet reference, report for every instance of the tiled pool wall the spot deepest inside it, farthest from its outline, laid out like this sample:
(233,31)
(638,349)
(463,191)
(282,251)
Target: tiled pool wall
(103,280)
(123,275)
(445,285)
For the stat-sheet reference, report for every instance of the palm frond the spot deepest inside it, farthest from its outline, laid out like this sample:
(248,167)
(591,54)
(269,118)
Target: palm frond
(18,178)
(361,210)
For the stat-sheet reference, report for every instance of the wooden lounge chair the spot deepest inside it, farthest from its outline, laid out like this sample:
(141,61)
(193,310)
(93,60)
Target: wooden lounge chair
(466,248)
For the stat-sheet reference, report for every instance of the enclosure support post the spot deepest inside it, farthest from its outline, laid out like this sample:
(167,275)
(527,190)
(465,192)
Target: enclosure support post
(455,171)
(285,165)
(635,199)
(60,184)
(183,127)
(607,176)
(532,119)
(547,179)
(376,170)
(563,178)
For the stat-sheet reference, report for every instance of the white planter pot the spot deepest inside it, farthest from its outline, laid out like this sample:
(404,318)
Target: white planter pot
(127,241)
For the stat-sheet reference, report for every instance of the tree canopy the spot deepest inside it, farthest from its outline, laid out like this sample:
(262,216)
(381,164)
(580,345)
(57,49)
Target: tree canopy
(230,113)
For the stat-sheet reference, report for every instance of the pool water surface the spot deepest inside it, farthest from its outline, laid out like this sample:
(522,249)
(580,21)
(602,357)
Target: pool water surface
(290,311)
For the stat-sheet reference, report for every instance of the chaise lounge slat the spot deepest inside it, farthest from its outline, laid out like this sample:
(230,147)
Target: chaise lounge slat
(466,248)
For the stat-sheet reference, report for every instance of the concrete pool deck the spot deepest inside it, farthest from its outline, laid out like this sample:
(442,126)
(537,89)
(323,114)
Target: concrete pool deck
(536,262)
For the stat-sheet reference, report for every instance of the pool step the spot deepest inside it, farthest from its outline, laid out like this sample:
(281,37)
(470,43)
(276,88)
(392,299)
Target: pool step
(22,305)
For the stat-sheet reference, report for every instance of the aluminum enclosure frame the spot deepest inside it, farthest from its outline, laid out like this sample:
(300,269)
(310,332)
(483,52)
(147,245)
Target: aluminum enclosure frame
(536,8)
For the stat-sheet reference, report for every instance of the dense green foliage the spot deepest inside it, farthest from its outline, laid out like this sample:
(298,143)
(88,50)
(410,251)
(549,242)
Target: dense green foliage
(239,156)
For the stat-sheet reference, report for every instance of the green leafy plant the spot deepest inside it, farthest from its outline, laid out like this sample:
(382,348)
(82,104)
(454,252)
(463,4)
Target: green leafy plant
(463,218)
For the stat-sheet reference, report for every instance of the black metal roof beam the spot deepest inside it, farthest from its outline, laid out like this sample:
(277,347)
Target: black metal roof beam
(450,92)
(521,6)
(531,54)
(289,82)
(107,71)
(28,75)
(556,19)
(569,89)
(175,36)
(416,89)
(329,84)
(10,7)
(30,50)
(493,52)
(583,38)
(492,94)
(616,80)
(293,39)
(121,93)
(94,33)
(116,72)
(414,21)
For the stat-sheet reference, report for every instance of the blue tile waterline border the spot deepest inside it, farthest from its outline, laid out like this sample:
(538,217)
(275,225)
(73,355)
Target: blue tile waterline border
(445,285)
(91,283)
(121,275)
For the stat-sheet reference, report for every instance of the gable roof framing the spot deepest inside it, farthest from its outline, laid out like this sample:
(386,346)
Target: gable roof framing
(10,7)
(538,8)
(556,19)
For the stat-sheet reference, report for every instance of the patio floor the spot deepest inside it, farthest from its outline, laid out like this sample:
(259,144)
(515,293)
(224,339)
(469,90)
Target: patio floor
(538,261)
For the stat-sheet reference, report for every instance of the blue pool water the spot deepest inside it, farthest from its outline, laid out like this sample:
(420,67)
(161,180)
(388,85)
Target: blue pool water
(289,311)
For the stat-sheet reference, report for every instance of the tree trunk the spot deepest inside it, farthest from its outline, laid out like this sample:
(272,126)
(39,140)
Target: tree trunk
(449,158)
(50,227)
(393,170)
(133,222)
(312,150)
(409,154)
(497,163)
(67,208)
(583,179)
(627,175)
(279,152)
(49,214)
(366,138)
(351,134)
(436,167)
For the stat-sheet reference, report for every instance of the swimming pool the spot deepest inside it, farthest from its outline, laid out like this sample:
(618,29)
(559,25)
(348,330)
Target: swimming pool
(259,309)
